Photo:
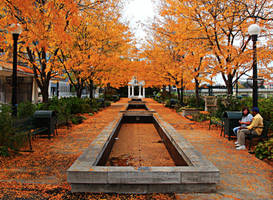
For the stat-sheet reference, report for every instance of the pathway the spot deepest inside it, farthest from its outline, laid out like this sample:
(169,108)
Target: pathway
(242,175)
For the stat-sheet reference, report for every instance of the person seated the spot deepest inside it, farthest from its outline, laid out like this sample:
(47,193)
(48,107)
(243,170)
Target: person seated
(255,128)
(245,121)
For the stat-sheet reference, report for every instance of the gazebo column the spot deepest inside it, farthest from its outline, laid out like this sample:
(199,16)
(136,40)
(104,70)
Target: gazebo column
(139,89)
(143,92)
(133,90)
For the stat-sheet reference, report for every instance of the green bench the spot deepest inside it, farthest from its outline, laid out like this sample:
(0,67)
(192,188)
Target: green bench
(28,128)
(261,137)
(217,123)
(101,102)
(173,102)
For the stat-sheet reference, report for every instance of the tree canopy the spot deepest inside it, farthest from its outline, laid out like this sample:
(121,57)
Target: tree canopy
(190,42)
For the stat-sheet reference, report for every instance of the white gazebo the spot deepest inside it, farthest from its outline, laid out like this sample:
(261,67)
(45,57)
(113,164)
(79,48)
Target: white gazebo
(131,88)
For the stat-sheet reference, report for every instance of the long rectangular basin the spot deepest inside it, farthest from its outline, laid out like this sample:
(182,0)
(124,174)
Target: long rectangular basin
(191,173)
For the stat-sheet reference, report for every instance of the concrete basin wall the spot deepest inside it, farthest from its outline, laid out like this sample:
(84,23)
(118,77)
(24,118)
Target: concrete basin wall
(136,106)
(88,173)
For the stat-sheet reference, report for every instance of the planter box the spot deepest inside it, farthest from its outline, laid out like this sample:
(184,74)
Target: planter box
(190,111)
(210,103)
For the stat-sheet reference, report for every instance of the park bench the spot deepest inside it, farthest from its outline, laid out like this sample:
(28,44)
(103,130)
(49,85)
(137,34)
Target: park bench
(261,137)
(44,122)
(27,127)
(101,101)
(173,102)
(217,123)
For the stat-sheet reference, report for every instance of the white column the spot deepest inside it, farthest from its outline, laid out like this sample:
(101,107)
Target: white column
(143,92)
(139,91)
(128,91)
(133,91)
(34,91)
(49,90)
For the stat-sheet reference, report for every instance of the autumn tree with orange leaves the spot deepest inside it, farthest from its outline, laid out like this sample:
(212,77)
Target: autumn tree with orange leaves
(175,62)
(44,25)
(98,44)
(222,27)
(84,40)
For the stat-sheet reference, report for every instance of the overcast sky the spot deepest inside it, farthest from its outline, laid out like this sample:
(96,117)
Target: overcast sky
(137,13)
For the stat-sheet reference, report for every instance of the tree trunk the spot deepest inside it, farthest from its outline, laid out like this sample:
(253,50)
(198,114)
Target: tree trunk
(228,81)
(58,88)
(182,96)
(105,92)
(91,87)
(44,91)
(79,92)
(178,94)
(164,89)
(197,92)
(182,93)
(229,86)
(170,90)
(41,77)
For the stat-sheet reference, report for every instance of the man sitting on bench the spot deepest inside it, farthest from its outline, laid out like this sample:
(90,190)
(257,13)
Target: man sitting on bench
(254,128)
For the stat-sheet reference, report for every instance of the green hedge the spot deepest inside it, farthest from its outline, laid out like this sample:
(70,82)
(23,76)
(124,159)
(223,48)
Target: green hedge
(190,101)
(26,109)
(235,104)
(10,139)
(67,110)
(264,150)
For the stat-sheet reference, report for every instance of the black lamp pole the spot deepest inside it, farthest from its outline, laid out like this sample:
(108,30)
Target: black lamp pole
(57,89)
(255,76)
(14,75)
(236,86)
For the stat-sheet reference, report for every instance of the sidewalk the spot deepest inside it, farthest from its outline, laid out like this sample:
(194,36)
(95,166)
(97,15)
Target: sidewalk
(242,175)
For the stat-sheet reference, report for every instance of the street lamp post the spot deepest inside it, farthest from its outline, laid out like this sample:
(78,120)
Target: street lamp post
(254,31)
(16,31)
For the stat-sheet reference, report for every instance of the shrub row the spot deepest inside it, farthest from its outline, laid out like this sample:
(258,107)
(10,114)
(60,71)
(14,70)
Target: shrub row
(67,110)
(235,104)
(264,150)
(10,139)
(189,101)
(223,104)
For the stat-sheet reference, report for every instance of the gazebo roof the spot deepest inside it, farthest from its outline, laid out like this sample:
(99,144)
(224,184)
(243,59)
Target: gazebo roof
(141,83)
(135,82)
